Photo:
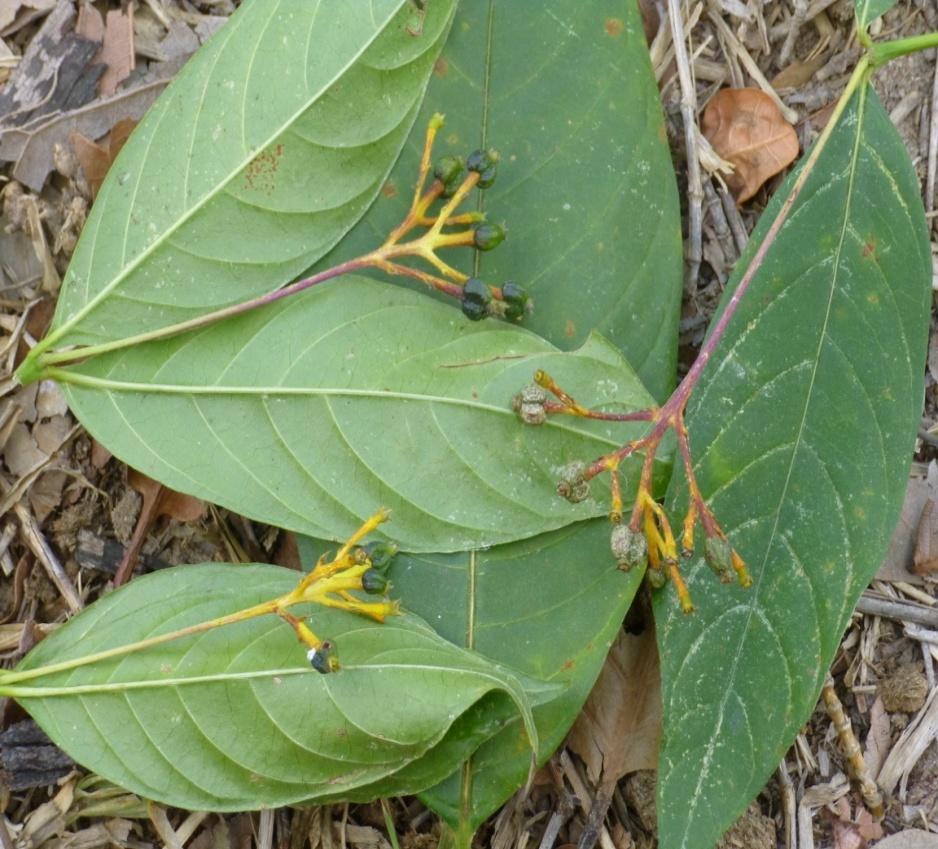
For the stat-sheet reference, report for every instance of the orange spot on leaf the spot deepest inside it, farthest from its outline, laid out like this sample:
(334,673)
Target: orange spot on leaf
(614,27)
(441,67)
(389,190)
(261,172)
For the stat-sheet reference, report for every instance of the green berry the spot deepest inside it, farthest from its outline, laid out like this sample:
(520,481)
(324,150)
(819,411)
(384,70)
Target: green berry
(449,169)
(485,163)
(475,289)
(516,301)
(487,177)
(488,236)
(324,658)
(481,160)
(374,582)
(473,310)
(381,554)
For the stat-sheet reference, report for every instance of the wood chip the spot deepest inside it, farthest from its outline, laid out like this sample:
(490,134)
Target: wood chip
(117,50)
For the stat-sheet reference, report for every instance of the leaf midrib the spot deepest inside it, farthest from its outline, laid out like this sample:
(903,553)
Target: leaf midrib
(113,386)
(221,186)
(752,606)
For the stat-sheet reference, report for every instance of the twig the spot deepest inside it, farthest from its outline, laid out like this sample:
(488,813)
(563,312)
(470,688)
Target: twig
(789,806)
(734,219)
(557,819)
(689,117)
(850,746)
(932,146)
(897,610)
(795,22)
(38,545)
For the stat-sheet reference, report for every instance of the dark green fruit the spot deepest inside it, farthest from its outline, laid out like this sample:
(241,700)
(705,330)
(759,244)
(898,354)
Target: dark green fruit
(516,301)
(475,289)
(487,177)
(481,160)
(473,310)
(381,554)
(488,236)
(449,168)
(374,582)
(324,659)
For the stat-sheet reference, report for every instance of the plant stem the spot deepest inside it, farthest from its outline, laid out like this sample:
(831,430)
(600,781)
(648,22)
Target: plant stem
(14,677)
(57,357)
(678,400)
(886,51)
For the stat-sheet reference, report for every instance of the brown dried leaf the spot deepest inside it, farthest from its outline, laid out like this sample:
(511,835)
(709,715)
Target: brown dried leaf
(99,454)
(96,159)
(618,730)
(746,128)
(168,502)
(157,501)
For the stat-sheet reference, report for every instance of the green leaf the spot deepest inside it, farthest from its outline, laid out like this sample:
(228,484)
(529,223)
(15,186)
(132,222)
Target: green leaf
(585,187)
(268,146)
(802,430)
(315,411)
(235,718)
(588,195)
(547,607)
(869,10)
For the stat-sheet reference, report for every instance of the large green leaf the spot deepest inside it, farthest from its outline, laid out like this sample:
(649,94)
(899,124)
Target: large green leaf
(585,186)
(235,718)
(313,412)
(869,10)
(802,430)
(587,190)
(267,147)
(548,607)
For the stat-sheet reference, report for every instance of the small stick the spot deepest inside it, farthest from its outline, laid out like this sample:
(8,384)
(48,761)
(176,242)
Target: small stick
(789,806)
(694,250)
(932,147)
(795,23)
(897,610)
(45,555)
(850,746)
